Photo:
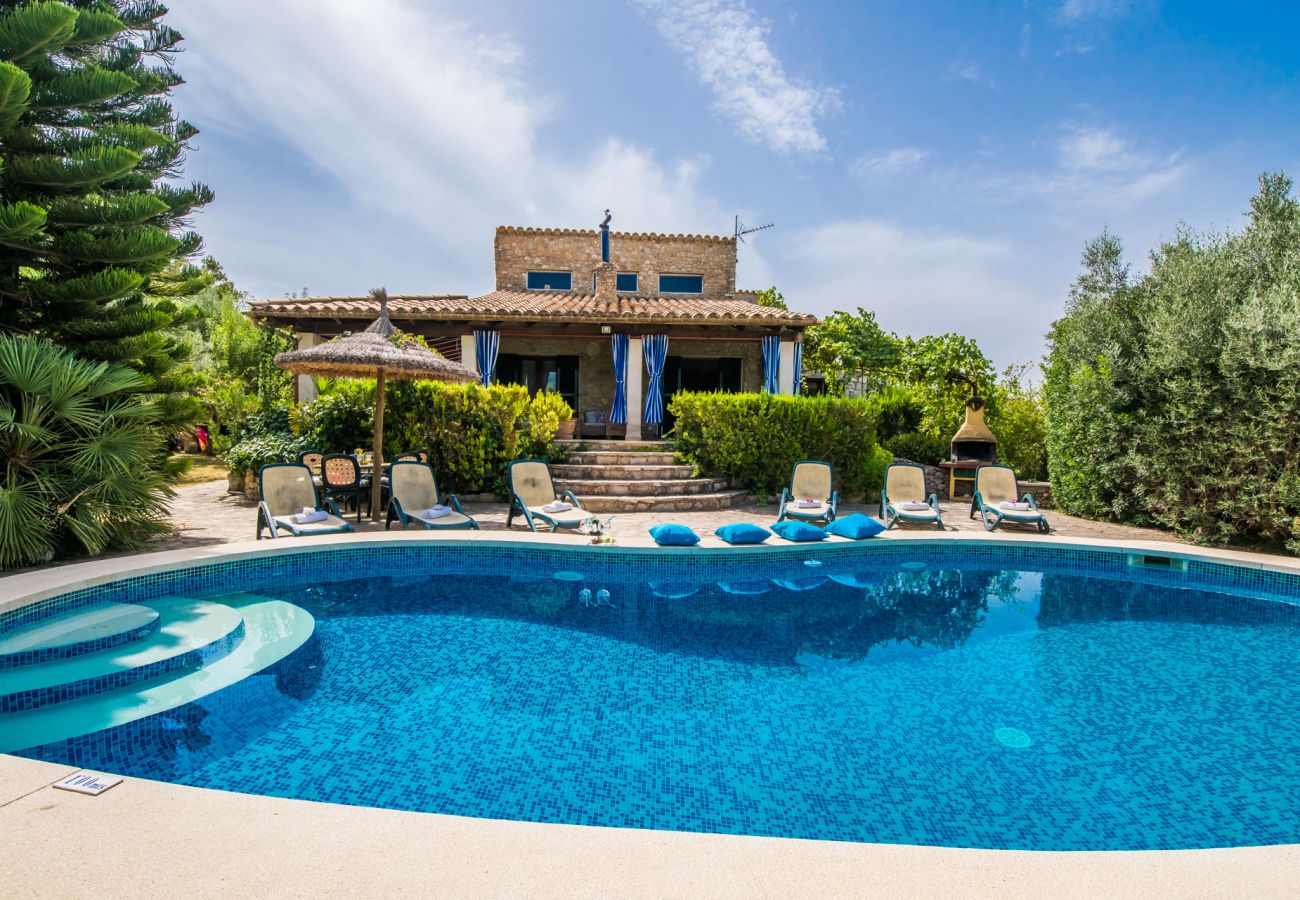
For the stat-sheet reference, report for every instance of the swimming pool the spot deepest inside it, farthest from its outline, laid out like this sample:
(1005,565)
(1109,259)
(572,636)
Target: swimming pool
(949,693)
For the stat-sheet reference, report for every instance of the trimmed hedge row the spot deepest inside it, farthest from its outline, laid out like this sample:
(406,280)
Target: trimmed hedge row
(755,439)
(470,431)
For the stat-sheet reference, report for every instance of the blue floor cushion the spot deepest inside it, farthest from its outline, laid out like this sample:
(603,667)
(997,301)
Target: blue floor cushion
(743,533)
(856,526)
(799,532)
(671,535)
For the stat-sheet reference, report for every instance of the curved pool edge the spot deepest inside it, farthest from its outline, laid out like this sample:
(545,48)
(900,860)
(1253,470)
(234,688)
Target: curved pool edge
(263,845)
(243,840)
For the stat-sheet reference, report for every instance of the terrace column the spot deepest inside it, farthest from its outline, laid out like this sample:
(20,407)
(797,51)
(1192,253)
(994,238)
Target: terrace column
(468,352)
(635,365)
(785,369)
(307,384)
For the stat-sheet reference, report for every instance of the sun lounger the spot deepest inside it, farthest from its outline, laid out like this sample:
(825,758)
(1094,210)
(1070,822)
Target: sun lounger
(415,499)
(285,490)
(998,499)
(904,500)
(810,496)
(532,490)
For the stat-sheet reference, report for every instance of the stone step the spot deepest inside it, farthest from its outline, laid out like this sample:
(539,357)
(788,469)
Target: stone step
(612,458)
(688,503)
(655,488)
(632,473)
(623,446)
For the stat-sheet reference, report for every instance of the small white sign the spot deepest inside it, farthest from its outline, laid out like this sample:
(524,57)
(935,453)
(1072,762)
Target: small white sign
(87,782)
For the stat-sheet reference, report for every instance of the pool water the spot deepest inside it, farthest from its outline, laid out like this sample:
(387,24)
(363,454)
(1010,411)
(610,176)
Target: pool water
(922,698)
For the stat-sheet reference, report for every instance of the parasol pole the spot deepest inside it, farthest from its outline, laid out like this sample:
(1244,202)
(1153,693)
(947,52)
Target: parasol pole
(377,471)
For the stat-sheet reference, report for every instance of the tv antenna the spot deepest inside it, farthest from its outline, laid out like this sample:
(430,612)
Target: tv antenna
(742,229)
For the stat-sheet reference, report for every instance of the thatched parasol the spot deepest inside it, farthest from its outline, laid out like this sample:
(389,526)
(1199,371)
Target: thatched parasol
(382,353)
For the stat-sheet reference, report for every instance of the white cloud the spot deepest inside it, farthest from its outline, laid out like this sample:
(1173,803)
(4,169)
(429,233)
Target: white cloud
(1095,168)
(421,129)
(726,45)
(887,165)
(1073,11)
(970,71)
(920,282)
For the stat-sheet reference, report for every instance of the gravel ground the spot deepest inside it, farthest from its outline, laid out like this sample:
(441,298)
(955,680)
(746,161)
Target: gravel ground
(206,514)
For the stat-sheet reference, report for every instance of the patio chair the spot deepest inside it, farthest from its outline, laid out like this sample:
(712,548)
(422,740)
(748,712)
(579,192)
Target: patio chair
(903,498)
(998,499)
(284,491)
(531,488)
(414,493)
(342,480)
(420,456)
(312,460)
(810,480)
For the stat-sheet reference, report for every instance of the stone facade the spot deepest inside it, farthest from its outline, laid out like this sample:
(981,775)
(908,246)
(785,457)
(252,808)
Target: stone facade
(596,364)
(521,250)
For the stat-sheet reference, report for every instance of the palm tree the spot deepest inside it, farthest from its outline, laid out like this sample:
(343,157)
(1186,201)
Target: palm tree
(81,453)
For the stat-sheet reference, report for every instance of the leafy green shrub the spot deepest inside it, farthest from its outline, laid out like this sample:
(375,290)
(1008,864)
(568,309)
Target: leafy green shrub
(1020,422)
(755,439)
(1175,397)
(250,454)
(85,468)
(340,421)
(898,412)
(920,447)
(273,420)
(472,432)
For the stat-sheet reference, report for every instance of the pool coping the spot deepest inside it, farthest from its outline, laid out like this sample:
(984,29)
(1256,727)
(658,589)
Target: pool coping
(265,844)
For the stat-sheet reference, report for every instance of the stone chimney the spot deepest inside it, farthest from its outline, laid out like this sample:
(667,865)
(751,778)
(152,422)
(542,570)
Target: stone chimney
(606,283)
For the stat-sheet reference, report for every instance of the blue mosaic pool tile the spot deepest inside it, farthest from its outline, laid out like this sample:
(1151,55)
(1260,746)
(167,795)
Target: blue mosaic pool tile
(1157,707)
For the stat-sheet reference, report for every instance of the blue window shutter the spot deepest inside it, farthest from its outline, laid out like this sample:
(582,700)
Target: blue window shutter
(550,281)
(626,283)
(681,284)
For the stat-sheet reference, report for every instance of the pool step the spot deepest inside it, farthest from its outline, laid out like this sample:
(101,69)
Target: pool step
(189,633)
(94,628)
(272,629)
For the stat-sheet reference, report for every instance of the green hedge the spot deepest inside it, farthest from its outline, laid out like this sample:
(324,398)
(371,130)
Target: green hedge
(1174,397)
(755,439)
(471,432)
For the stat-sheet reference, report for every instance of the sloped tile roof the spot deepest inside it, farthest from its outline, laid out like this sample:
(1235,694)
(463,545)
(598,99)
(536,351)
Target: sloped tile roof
(554,306)
(615,235)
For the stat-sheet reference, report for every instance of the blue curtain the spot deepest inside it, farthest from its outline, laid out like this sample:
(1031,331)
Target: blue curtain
(798,367)
(655,349)
(486,345)
(618,412)
(771,363)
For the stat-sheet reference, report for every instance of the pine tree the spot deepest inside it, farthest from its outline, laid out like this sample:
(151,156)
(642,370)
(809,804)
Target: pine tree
(91,222)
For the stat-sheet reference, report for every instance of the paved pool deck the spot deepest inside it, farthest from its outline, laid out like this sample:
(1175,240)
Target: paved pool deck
(205,514)
(153,839)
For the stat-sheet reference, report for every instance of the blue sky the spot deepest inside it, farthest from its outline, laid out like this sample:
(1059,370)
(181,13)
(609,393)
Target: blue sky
(941,164)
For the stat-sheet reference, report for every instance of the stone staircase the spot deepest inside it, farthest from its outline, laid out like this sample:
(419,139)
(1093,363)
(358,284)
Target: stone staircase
(639,476)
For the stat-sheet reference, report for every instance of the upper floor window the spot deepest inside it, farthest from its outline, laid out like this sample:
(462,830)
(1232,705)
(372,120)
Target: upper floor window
(624,282)
(681,284)
(550,281)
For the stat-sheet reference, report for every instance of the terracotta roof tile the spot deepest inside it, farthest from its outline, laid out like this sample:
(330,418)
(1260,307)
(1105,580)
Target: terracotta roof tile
(539,305)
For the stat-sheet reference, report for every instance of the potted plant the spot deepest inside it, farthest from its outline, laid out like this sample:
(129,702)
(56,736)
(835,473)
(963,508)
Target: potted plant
(566,430)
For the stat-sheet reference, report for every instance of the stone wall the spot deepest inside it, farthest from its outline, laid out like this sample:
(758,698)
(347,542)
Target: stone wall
(521,250)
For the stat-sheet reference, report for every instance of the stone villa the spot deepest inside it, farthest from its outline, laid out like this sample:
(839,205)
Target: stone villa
(571,312)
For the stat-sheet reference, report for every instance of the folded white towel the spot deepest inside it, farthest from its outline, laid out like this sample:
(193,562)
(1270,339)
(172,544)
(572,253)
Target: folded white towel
(307,516)
(557,506)
(914,505)
(807,503)
(1014,504)
(436,511)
